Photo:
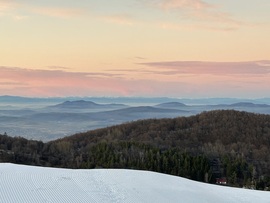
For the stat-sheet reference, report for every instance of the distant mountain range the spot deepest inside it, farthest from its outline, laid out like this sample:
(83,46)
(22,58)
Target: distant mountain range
(51,118)
(132,100)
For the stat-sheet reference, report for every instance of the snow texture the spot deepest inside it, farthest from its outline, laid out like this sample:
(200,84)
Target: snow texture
(30,184)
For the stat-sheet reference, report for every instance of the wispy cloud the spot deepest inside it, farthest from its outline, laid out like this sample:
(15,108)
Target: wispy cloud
(6,7)
(211,68)
(58,12)
(204,15)
(13,8)
(58,68)
(185,4)
(140,58)
(122,19)
(12,83)
(29,82)
(195,26)
(20,17)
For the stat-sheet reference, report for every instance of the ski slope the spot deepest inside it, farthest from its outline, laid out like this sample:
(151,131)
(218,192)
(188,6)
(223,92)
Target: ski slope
(29,184)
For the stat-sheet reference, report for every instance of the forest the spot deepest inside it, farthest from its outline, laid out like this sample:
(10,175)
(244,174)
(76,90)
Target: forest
(214,145)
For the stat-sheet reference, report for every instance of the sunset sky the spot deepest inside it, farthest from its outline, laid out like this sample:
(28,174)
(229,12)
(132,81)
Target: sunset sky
(174,48)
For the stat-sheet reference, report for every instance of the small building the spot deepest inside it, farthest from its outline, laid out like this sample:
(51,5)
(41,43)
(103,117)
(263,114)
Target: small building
(221,181)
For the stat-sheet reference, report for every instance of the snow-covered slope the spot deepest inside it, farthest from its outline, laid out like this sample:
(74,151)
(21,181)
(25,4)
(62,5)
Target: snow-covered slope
(30,184)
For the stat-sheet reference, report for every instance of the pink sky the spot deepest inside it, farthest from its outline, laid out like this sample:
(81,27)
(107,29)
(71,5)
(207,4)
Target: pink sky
(176,48)
(174,79)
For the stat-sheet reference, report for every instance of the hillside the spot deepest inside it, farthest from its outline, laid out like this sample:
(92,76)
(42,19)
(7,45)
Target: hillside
(20,183)
(210,145)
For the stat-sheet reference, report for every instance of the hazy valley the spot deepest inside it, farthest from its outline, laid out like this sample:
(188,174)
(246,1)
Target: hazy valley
(51,118)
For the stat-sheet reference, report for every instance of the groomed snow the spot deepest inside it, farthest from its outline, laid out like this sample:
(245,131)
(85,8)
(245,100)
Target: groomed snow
(19,183)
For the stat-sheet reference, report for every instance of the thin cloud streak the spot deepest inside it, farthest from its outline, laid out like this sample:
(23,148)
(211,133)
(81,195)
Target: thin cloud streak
(7,5)
(122,19)
(13,8)
(212,68)
(58,12)
(184,4)
(197,13)
(31,82)
(195,26)
(41,74)
(58,68)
